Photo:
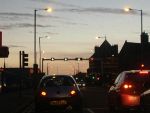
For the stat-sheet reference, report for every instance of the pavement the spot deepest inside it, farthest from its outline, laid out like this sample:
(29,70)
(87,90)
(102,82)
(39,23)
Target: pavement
(14,101)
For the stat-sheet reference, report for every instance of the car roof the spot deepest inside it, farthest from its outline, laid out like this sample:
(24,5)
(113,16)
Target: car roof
(47,76)
(134,71)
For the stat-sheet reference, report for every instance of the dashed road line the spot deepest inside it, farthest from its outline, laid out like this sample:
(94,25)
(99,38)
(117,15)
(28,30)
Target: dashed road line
(89,110)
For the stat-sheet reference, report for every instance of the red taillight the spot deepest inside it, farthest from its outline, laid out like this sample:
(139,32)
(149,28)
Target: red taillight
(130,100)
(143,72)
(73,92)
(127,86)
(43,93)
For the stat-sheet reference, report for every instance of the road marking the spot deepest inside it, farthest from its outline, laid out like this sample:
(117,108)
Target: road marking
(89,110)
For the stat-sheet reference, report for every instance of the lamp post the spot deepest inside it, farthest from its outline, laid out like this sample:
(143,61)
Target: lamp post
(141,12)
(35,66)
(47,69)
(40,50)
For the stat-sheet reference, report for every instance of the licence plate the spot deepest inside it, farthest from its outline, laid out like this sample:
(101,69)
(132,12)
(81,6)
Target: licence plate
(58,102)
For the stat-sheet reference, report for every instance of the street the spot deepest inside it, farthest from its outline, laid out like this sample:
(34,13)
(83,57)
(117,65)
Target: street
(95,101)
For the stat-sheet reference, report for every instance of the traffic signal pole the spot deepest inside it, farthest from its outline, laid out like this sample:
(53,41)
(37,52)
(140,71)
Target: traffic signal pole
(63,59)
(20,61)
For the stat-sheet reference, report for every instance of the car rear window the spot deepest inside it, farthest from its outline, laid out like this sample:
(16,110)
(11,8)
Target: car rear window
(137,77)
(57,81)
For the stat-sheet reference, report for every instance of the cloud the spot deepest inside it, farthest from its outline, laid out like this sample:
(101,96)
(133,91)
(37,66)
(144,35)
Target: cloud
(74,23)
(51,33)
(15,46)
(100,10)
(56,3)
(5,16)
(22,25)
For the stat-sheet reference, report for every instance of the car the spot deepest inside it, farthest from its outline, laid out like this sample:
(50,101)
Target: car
(81,83)
(58,93)
(124,93)
(145,99)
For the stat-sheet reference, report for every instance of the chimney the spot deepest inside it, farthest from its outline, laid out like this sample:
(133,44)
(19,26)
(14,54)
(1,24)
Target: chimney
(114,50)
(144,38)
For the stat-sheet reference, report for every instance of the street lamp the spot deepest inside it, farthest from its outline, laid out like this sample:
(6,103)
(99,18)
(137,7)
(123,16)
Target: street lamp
(35,66)
(40,50)
(130,9)
(101,37)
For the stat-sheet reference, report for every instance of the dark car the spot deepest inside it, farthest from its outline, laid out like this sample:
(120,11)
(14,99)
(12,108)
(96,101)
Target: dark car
(145,99)
(81,83)
(126,90)
(58,93)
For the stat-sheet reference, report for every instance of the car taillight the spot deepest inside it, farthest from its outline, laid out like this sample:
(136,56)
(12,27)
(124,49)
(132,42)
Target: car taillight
(43,93)
(72,92)
(127,86)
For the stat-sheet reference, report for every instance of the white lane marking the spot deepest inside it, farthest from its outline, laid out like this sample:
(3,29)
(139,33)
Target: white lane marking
(89,110)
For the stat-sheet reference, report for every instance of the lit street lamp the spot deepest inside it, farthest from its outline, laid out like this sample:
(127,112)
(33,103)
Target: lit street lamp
(100,37)
(130,9)
(35,66)
(127,10)
(40,50)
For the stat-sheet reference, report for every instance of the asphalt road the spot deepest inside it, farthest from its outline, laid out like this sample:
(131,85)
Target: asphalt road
(95,101)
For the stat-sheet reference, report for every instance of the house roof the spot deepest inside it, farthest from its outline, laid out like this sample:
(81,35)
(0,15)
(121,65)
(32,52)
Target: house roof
(134,48)
(103,49)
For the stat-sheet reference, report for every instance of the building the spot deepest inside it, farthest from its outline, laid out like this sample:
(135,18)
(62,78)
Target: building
(104,61)
(133,55)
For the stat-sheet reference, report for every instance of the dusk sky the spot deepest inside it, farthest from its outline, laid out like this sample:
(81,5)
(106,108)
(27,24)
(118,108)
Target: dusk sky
(72,27)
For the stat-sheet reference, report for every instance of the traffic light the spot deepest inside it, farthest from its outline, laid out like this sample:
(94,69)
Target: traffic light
(78,59)
(24,59)
(4,52)
(91,59)
(52,59)
(65,59)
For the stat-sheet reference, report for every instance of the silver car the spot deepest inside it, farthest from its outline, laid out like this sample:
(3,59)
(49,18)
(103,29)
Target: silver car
(58,93)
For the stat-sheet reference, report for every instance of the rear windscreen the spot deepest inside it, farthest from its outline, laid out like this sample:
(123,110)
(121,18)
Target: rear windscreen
(138,78)
(57,81)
